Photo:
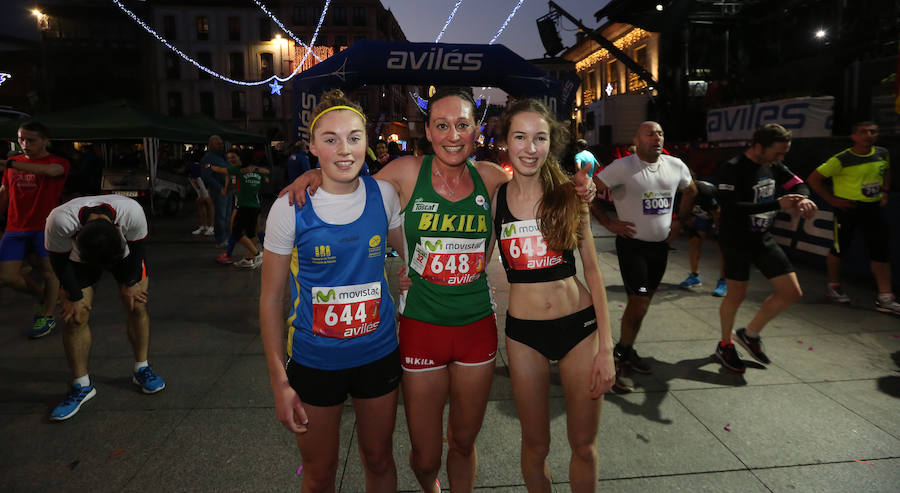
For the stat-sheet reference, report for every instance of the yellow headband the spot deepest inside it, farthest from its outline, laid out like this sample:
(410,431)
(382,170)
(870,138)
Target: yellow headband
(313,124)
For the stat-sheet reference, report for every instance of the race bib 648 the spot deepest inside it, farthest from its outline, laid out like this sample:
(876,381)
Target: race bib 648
(449,261)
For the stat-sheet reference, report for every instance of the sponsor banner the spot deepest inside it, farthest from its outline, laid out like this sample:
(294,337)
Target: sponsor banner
(804,117)
(391,62)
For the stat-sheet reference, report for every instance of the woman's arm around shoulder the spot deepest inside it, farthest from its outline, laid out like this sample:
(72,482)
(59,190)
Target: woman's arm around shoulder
(402,174)
(492,175)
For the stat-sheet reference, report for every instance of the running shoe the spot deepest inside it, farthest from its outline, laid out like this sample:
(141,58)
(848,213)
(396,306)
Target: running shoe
(729,358)
(693,281)
(77,396)
(721,289)
(257,260)
(624,383)
(245,262)
(149,382)
(635,362)
(752,345)
(208,231)
(890,306)
(836,294)
(224,259)
(42,326)
(199,231)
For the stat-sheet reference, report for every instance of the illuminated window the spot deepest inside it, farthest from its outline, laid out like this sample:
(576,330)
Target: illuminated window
(266,65)
(202,28)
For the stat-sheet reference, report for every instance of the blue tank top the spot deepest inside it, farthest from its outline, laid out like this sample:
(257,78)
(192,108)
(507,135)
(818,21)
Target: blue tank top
(342,315)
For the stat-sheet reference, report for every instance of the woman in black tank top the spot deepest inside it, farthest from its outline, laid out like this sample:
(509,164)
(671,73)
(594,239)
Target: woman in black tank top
(539,221)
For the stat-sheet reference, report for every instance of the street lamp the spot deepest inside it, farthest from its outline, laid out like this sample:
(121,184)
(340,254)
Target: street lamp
(820,34)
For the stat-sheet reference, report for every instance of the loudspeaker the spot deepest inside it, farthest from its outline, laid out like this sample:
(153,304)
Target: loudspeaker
(549,37)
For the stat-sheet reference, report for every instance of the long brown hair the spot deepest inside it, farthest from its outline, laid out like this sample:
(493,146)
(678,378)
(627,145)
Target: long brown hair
(559,210)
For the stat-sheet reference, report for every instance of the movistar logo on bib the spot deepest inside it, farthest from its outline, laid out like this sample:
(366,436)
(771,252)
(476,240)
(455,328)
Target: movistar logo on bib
(520,229)
(324,297)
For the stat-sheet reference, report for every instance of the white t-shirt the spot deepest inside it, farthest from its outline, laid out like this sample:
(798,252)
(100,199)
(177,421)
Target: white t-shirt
(333,209)
(644,193)
(63,223)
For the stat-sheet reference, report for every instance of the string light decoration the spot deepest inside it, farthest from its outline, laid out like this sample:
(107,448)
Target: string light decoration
(634,36)
(4,77)
(284,29)
(499,31)
(449,20)
(506,22)
(217,75)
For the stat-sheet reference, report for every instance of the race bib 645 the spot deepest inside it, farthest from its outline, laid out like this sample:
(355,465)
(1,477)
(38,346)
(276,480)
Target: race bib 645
(524,246)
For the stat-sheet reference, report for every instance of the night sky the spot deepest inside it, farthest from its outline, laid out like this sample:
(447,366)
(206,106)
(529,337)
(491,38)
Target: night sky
(476,21)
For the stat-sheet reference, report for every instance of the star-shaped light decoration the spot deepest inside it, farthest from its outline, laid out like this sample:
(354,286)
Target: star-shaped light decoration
(609,89)
(276,87)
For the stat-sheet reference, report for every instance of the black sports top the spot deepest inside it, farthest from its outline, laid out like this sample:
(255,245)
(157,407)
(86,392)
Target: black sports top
(523,251)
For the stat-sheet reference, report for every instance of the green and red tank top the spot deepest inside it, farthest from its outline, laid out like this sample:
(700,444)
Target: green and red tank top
(446,245)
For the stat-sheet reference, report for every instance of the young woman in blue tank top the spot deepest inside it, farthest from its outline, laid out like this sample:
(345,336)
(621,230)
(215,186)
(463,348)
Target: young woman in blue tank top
(552,315)
(341,330)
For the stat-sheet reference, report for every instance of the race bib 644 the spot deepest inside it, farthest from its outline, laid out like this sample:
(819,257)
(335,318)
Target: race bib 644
(344,312)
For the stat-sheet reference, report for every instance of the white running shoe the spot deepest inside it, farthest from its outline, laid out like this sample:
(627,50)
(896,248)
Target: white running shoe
(209,231)
(257,260)
(245,262)
(199,231)
(836,294)
(890,306)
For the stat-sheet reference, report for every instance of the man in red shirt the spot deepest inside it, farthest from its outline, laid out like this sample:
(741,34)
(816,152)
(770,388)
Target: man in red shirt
(32,184)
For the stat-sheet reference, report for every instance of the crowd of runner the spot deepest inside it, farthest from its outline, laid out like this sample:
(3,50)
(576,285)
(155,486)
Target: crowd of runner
(329,234)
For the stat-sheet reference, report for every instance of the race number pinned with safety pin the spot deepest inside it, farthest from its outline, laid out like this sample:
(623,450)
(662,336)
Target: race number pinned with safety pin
(449,261)
(525,248)
(344,312)
(656,203)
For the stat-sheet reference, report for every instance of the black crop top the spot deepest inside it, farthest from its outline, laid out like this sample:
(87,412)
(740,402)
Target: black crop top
(525,256)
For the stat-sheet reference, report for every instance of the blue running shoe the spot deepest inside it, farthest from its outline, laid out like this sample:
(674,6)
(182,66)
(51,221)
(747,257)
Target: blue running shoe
(77,396)
(149,382)
(693,281)
(42,326)
(721,289)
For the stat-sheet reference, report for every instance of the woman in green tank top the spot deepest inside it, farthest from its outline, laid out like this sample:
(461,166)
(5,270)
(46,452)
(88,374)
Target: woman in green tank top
(445,349)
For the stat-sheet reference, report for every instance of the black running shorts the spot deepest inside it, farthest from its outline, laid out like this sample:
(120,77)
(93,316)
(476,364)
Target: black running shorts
(90,274)
(553,338)
(869,217)
(642,264)
(330,387)
(245,222)
(768,257)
